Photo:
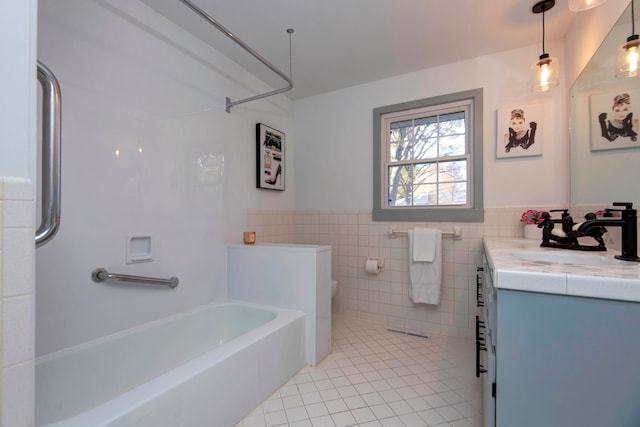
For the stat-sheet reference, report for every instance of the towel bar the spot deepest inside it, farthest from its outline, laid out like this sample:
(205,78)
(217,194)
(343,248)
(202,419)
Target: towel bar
(456,233)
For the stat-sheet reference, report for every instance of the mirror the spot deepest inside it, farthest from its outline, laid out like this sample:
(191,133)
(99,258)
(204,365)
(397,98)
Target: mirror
(605,162)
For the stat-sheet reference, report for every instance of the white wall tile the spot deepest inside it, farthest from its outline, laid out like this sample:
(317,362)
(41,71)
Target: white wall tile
(17,213)
(17,189)
(17,259)
(16,304)
(17,395)
(17,330)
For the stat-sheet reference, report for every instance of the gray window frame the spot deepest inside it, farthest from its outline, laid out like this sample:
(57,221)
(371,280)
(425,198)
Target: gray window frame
(475,211)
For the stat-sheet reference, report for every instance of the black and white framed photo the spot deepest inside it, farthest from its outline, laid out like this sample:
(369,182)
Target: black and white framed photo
(270,170)
(520,130)
(613,123)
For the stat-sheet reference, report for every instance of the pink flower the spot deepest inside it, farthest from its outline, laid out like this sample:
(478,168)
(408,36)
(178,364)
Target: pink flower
(532,216)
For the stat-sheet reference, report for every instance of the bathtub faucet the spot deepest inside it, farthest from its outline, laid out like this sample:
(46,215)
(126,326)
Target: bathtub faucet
(629,225)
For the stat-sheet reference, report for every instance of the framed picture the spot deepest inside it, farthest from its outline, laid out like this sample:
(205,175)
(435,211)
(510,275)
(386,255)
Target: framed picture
(612,121)
(270,169)
(520,130)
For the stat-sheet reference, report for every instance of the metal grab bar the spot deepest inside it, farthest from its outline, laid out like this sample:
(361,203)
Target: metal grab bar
(246,47)
(51,156)
(100,275)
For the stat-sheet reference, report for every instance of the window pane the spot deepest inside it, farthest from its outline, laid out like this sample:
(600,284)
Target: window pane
(426,148)
(400,185)
(425,195)
(453,171)
(400,140)
(425,173)
(453,145)
(429,123)
(452,194)
(397,151)
(452,123)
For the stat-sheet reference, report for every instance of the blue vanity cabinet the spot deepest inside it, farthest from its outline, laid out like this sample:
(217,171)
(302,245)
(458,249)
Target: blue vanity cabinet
(566,361)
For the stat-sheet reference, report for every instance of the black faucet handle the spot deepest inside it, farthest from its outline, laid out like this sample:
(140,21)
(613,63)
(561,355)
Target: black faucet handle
(565,212)
(627,205)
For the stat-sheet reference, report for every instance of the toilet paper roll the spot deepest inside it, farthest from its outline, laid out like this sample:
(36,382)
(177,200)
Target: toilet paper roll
(371,266)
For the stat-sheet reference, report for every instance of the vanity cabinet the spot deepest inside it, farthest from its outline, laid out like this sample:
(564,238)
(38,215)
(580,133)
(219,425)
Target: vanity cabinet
(562,360)
(566,361)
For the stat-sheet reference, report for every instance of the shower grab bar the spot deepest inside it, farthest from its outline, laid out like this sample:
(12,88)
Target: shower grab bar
(51,156)
(255,54)
(100,275)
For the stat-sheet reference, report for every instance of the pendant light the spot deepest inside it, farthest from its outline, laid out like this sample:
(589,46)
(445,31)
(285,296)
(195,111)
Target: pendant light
(627,60)
(580,5)
(545,70)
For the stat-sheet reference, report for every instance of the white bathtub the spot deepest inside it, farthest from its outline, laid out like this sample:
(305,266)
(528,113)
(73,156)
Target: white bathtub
(208,367)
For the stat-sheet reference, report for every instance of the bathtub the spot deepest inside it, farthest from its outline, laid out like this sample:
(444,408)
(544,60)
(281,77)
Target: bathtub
(208,367)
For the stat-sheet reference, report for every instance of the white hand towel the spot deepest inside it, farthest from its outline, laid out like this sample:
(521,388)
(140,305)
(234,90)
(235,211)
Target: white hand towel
(424,244)
(425,278)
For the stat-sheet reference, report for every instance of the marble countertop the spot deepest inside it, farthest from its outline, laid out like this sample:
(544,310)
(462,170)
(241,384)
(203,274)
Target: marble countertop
(510,271)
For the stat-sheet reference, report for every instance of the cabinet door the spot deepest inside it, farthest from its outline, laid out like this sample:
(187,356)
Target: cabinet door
(567,361)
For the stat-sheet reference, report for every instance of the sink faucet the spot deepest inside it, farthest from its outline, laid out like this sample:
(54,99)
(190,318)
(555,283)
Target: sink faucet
(629,225)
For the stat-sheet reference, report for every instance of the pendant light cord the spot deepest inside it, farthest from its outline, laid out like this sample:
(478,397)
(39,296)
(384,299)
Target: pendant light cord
(633,20)
(543,10)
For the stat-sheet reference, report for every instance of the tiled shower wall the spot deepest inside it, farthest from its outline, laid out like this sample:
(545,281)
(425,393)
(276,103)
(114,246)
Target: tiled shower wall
(16,302)
(385,297)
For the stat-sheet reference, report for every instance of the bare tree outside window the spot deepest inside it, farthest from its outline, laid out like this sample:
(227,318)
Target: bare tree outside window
(427,164)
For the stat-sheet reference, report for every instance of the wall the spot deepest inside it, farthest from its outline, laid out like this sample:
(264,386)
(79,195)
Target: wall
(17,142)
(16,301)
(335,133)
(335,151)
(385,297)
(600,176)
(587,32)
(147,148)
(18,83)
(17,139)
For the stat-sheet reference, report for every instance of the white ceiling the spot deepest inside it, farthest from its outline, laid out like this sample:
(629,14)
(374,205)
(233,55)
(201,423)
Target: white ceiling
(341,43)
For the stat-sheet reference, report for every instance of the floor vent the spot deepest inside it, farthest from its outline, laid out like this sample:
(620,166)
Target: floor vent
(411,334)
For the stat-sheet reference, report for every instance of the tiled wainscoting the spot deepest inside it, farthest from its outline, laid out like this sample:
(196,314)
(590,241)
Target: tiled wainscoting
(385,297)
(16,302)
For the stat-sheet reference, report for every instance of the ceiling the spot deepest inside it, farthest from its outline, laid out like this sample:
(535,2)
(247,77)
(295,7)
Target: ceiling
(342,43)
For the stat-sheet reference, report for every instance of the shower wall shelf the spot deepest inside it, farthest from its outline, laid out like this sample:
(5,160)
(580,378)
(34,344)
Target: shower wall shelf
(255,54)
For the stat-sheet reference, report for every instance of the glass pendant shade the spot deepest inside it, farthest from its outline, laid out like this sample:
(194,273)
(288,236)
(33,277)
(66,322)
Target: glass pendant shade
(627,59)
(580,5)
(545,73)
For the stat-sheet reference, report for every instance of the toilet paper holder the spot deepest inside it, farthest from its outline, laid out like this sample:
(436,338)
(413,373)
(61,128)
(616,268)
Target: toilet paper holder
(374,265)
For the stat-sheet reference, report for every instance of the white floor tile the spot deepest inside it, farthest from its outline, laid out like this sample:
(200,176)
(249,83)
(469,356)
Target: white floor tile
(343,419)
(376,378)
(363,415)
(296,414)
(317,410)
(335,406)
(324,421)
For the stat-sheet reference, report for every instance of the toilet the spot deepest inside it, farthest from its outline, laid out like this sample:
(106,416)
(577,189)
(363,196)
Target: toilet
(334,287)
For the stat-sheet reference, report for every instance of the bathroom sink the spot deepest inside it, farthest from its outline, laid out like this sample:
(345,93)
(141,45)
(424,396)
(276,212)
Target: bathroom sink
(569,258)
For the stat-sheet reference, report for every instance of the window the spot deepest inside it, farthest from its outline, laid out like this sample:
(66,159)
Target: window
(428,159)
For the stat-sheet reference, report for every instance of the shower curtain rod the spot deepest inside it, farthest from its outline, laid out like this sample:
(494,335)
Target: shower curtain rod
(255,54)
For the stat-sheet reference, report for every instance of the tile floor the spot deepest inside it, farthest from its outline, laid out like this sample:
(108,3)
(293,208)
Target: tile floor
(375,377)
